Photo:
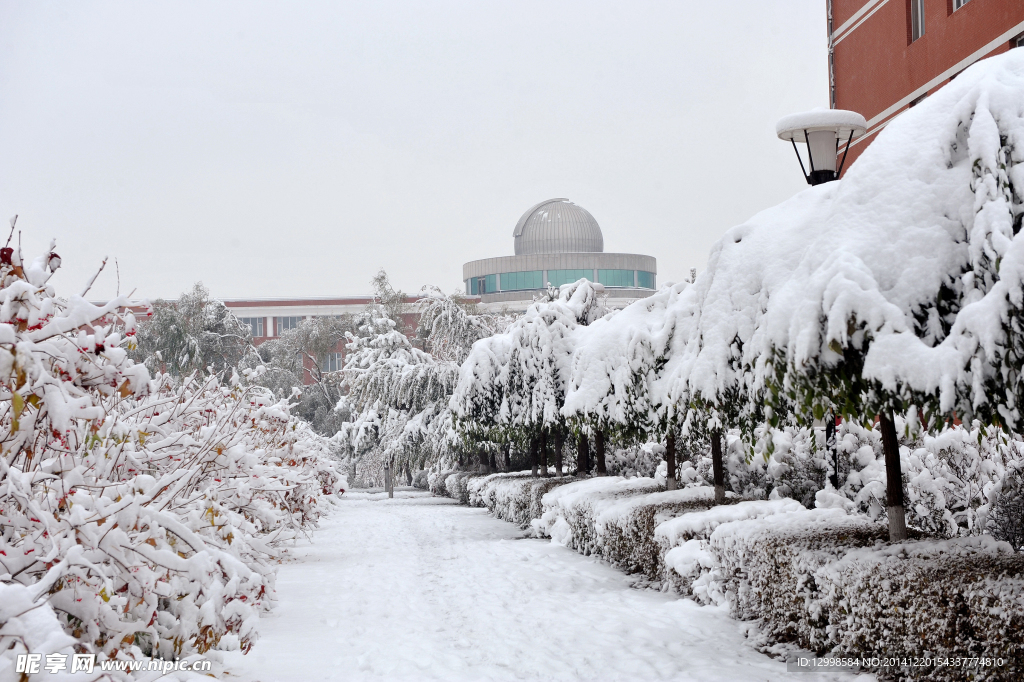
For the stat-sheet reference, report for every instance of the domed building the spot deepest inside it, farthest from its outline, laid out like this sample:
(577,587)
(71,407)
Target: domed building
(557,242)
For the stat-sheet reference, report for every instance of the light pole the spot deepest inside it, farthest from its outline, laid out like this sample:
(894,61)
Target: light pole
(821,130)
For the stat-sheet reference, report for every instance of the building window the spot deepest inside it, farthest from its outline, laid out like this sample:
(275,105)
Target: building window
(615,278)
(491,282)
(1017,42)
(645,280)
(286,323)
(957,4)
(559,277)
(331,362)
(518,281)
(255,325)
(916,19)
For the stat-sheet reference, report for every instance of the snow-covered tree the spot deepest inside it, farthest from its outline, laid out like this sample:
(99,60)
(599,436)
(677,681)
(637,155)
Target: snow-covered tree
(144,517)
(398,395)
(515,383)
(296,368)
(195,333)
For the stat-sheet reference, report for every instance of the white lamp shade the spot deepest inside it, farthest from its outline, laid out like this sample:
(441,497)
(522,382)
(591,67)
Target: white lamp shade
(822,147)
(839,122)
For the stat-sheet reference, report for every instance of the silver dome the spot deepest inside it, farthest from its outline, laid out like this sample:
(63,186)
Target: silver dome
(558,226)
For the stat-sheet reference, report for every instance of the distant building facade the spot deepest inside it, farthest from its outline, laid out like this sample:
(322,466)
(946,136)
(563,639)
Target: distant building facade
(886,56)
(267,318)
(558,242)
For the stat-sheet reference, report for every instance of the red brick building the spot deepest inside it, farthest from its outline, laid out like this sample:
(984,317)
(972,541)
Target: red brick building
(268,317)
(885,56)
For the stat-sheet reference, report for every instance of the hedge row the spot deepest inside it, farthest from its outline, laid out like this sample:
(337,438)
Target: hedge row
(831,583)
(820,579)
(513,497)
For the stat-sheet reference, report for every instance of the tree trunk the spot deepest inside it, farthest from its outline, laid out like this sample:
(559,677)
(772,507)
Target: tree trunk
(408,474)
(508,457)
(717,466)
(601,469)
(533,455)
(583,456)
(483,459)
(670,460)
(893,479)
(492,466)
(830,447)
(559,445)
(544,454)
(387,480)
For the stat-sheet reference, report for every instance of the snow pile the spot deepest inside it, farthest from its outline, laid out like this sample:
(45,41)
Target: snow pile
(149,517)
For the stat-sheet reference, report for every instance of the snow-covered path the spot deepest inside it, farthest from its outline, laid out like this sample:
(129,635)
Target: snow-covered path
(419,588)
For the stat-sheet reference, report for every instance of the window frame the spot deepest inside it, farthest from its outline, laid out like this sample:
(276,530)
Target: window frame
(281,328)
(915,20)
(254,324)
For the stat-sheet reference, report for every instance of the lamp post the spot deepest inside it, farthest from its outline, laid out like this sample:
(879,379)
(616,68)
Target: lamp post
(821,130)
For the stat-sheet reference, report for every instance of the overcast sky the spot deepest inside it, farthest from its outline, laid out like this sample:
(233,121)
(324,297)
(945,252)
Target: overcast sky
(293,149)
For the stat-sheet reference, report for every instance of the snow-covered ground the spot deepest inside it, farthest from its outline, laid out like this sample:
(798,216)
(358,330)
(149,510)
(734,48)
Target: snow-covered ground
(419,588)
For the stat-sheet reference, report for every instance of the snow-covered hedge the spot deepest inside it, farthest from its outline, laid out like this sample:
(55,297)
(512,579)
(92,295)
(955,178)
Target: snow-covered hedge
(456,485)
(570,513)
(514,497)
(147,516)
(436,482)
(764,567)
(421,479)
(682,540)
(961,597)
(828,581)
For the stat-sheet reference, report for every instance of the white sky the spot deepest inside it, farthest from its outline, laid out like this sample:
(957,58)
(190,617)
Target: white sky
(280,149)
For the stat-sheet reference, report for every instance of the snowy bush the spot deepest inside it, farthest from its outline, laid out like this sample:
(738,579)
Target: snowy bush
(639,461)
(457,485)
(1006,521)
(436,482)
(147,515)
(962,597)
(421,479)
(624,529)
(829,582)
(682,541)
(764,568)
(514,497)
(569,513)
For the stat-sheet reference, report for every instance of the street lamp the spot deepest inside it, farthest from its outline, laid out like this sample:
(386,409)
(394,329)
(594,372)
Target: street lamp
(821,130)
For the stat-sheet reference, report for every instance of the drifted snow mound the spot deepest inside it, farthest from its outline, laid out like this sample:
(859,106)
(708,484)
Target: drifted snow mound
(911,262)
